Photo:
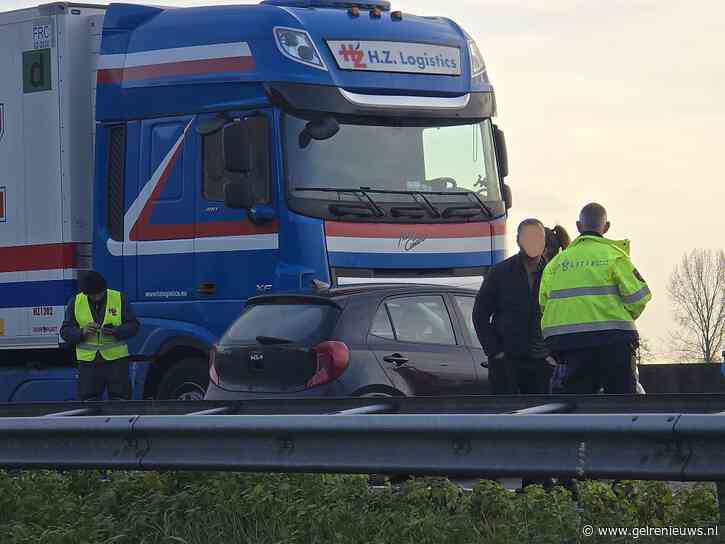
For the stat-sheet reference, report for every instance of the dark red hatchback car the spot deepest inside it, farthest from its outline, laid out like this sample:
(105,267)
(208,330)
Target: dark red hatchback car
(376,340)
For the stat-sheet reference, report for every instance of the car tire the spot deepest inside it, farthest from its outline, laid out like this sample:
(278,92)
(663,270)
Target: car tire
(186,380)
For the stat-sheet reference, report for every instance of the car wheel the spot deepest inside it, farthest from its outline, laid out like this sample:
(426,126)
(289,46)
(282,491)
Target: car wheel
(186,380)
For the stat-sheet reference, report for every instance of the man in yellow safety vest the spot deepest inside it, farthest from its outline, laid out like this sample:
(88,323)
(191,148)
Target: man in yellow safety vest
(590,296)
(98,321)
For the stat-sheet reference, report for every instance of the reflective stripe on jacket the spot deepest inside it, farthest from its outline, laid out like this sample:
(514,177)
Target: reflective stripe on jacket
(592,287)
(109,348)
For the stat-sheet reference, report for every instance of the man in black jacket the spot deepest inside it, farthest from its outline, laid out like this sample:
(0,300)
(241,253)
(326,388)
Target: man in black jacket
(508,319)
(98,321)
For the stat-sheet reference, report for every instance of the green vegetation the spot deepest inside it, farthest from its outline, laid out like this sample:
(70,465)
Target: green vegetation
(199,508)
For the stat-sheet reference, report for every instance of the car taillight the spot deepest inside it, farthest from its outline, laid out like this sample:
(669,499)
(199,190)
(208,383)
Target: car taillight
(332,360)
(213,376)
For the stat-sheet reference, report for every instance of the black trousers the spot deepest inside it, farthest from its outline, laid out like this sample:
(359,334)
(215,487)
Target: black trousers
(94,378)
(519,376)
(609,367)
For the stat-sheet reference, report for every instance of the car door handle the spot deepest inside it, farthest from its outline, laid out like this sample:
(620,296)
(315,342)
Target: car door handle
(396,358)
(206,288)
(484,364)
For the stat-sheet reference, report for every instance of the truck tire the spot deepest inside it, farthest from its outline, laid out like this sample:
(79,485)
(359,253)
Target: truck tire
(186,380)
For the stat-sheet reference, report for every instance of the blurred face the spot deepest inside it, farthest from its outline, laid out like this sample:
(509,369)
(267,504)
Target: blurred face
(97,297)
(532,240)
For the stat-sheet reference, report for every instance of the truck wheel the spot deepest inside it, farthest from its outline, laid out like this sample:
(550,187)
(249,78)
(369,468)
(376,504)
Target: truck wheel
(186,380)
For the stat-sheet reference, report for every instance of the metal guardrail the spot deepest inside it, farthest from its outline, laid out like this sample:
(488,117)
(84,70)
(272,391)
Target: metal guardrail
(584,436)
(645,446)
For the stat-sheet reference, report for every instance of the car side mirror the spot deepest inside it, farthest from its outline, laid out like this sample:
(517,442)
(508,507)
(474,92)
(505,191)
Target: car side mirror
(502,161)
(237,147)
(239,196)
(507,196)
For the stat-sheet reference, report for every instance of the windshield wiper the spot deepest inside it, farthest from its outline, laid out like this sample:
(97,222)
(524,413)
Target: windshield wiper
(365,191)
(482,204)
(270,340)
(451,211)
(362,194)
(431,208)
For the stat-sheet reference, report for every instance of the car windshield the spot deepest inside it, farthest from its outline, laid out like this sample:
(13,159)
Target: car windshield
(279,323)
(450,159)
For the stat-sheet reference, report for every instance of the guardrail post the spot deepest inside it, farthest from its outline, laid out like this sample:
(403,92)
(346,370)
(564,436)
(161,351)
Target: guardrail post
(720,486)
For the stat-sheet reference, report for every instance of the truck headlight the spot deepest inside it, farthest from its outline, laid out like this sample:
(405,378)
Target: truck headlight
(297,45)
(478,67)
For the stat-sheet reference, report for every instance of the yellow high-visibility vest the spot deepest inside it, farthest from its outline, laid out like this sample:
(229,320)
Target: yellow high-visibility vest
(592,286)
(109,348)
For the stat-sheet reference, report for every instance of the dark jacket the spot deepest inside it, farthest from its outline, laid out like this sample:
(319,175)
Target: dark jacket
(72,334)
(506,315)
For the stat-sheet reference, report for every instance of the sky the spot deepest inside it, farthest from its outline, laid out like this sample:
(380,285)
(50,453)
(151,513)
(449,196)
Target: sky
(617,101)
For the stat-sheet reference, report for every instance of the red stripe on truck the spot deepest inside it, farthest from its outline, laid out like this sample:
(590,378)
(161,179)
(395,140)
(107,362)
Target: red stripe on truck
(38,257)
(395,230)
(144,229)
(171,69)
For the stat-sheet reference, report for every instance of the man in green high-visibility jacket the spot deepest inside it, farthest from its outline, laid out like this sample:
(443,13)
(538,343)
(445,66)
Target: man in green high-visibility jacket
(590,296)
(98,321)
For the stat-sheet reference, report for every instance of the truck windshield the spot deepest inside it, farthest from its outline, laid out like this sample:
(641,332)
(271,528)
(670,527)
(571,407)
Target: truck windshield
(449,159)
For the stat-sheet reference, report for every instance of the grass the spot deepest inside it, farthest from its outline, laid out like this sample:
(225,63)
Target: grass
(199,508)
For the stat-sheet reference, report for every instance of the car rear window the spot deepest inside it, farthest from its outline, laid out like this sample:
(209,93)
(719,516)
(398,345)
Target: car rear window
(298,323)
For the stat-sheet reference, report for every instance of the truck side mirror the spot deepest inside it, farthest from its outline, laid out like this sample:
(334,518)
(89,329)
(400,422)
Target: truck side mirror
(237,147)
(213,125)
(319,129)
(502,161)
(507,196)
(239,195)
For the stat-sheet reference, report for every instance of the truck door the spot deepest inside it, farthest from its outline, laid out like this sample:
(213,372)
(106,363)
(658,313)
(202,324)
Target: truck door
(235,257)
(162,215)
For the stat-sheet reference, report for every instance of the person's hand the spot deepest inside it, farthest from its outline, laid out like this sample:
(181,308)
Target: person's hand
(551,361)
(108,330)
(91,328)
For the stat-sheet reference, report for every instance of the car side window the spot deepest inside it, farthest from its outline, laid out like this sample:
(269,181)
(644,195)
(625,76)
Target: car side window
(465,306)
(421,319)
(381,324)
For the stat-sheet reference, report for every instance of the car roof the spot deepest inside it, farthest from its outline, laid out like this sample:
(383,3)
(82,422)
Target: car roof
(381,289)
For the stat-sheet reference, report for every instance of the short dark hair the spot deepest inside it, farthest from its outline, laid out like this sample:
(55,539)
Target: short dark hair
(526,223)
(593,215)
(92,283)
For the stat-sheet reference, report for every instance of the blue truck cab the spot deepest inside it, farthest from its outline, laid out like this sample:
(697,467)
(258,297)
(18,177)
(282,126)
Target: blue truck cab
(249,149)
